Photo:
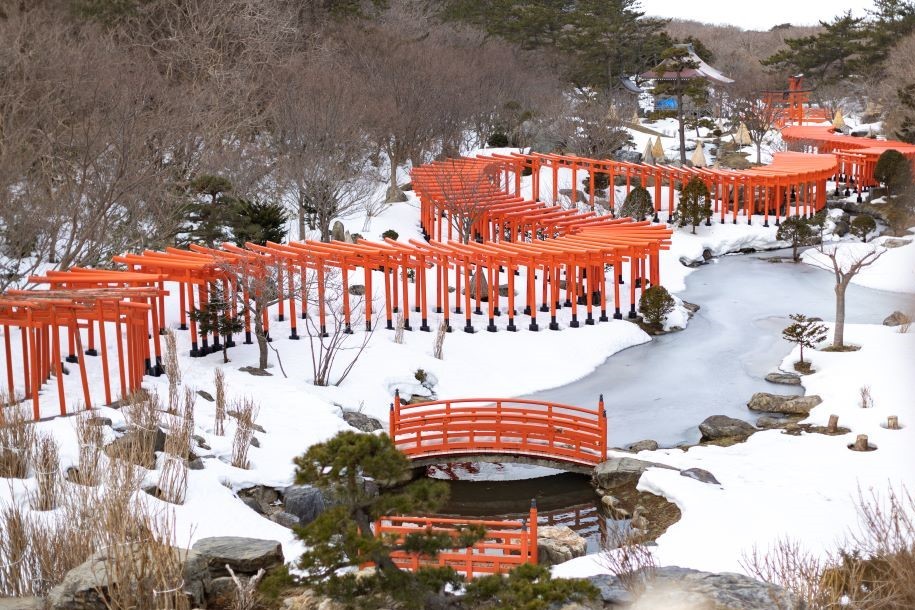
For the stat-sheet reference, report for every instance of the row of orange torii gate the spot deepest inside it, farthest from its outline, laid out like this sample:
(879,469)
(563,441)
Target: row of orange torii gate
(551,258)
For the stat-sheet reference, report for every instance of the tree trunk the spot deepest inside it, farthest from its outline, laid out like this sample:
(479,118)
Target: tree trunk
(681,127)
(794,250)
(225,353)
(394,193)
(759,152)
(260,336)
(301,206)
(838,339)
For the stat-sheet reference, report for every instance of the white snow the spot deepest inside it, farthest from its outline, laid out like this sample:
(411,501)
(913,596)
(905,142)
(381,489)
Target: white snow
(894,270)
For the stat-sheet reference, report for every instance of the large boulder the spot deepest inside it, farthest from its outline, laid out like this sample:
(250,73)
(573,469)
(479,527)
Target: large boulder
(243,555)
(698,474)
(304,501)
(83,586)
(558,544)
(484,286)
(618,471)
(338,231)
(897,318)
(21,603)
(786,405)
(646,445)
(673,587)
(784,378)
(722,426)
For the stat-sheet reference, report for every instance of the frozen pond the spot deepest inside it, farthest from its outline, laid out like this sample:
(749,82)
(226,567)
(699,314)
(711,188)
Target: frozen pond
(663,389)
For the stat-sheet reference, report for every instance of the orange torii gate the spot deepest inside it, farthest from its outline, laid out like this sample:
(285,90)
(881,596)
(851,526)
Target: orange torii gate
(857,157)
(496,215)
(40,316)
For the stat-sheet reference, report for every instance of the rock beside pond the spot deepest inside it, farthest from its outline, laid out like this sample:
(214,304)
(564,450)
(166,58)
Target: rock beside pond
(620,471)
(703,476)
(784,378)
(646,445)
(768,422)
(304,502)
(722,426)
(897,318)
(558,544)
(673,587)
(786,405)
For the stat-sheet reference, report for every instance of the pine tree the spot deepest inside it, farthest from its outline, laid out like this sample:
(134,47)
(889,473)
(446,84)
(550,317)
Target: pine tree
(797,231)
(528,587)
(863,225)
(365,474)
(219,318)
(894,171)
(654,304)
(695,205)
(805,332)
(209,214)
(258,222)
(638,203)
(827,56)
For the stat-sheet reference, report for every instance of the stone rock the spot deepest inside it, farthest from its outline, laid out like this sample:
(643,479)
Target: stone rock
(801,405)
(267,499)
(255,372)
(620,471)
(646,445)
(285,519)
(101,422)
(357,290)
(205,395)
(703,476)
(304,502)
(81,587)
(673,587)
(895,243)
(897,318)
(309,600)
(707,255)
(484,286)
(688,262)
(361,421)
(201,442)
(559,543)
(21,603)
(128,445)
(784,378)
(254,426)
(841,228)
(768,422)
(220,593)
(243,555)
(196,464)
(252,504)
(338,231)
(255,442)
(786,405)
(722,426)
(503,290)
(578,197)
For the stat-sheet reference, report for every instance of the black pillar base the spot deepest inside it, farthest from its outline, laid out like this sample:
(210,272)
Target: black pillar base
(163,331)
(859,199)
(491,327)
(195,352)
(511,326)
(92,352)
(708,222)
(527,310)
(424,326)
(632,314)
(544,308)
(182,327)
(533,327)
(497,312)
(735,219)
(304,315)
(438,310)
(395,309)
(204,348)
(73,359)
(457,310)
(617,315)
(766,223)
(280,317)
(603,317)
(390,325)
(638,282)
(468,328)
(589,321)
(406,325)
(347,330)
(574,323)
(778,223)
(417,309)
(567,303)
(294,335)
(655,218)
(247,337)
(478,311)
(368,327)
(554,326)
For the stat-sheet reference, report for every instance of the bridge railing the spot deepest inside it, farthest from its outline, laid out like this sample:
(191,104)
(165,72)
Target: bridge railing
(500,426)
(504,546)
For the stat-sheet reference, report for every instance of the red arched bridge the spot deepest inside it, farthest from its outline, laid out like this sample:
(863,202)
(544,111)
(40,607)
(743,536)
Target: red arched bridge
(501,430)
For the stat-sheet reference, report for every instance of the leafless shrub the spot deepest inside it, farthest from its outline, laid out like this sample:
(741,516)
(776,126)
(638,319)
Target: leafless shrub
(866,401)
(219,379)
(173,462)
(172,370)
(17,442)
(46,462)
(627,556)
(399,329)
(438,347)
(799,573)
(245,592)
(90,437)
(245,412)
(905,324)
(142,415)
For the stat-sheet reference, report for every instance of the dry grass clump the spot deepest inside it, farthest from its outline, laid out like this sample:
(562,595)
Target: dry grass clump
(219,380)
(172,370)
(17,441)
(399,329)
(139,443)
(91,438)
(438,346)
(874,571)
(866,400)
(627,556)
(46,466)
(245,412)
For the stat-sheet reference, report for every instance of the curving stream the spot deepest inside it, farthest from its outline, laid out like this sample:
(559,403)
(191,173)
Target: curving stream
(663,389)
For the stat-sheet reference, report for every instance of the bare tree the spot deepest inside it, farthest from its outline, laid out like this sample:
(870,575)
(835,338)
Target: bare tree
(461,193)
(320,143)
(758,116)
(845,262)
